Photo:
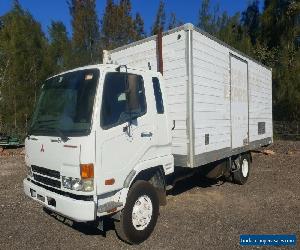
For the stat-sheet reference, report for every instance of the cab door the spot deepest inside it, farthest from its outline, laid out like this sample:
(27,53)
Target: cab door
(126,134)
(162,125)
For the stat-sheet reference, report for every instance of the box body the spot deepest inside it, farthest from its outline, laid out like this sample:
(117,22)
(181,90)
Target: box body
(219,98)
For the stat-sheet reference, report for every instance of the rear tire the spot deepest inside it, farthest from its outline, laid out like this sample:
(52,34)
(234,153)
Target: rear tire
(240,175)
(139,216)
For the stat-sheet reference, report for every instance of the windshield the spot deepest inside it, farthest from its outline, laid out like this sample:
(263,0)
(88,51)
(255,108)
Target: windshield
(65,104)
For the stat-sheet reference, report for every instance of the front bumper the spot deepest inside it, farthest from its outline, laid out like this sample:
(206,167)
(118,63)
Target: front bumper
(77,210)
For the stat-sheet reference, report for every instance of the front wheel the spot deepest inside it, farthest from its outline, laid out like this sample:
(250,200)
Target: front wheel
(139,216)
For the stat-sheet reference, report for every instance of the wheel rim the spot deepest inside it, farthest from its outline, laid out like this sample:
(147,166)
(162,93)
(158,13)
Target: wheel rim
(245,167)
(142,212)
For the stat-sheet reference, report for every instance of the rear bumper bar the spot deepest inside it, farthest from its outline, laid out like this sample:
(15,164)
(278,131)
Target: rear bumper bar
(77,210)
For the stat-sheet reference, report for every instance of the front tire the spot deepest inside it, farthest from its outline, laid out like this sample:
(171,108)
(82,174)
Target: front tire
(139,216)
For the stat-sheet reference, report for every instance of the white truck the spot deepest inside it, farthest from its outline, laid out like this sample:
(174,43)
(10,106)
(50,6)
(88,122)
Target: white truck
(108,140)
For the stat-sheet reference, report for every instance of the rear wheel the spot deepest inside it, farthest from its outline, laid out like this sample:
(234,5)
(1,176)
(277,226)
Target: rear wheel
(241,169)
(140,213)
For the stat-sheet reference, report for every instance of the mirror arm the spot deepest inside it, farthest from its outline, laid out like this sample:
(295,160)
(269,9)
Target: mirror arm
(129,129)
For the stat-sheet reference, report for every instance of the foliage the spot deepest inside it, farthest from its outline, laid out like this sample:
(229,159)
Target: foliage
(250,20)
(27,57)
(280,31)
(59,47)
(208,20)
(160,19)
(118,25)
(174,22)
(23,65)
(85,39)
(139,27)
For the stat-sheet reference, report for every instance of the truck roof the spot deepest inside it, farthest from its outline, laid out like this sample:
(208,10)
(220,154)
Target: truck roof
(107,67)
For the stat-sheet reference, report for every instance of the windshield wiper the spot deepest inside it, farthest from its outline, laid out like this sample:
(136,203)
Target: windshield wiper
(62,136)
(45,121)
(29,133)
(60,133)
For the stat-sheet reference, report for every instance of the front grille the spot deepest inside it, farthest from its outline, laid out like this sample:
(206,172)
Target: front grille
(47,181)
(46,171)
(73,196)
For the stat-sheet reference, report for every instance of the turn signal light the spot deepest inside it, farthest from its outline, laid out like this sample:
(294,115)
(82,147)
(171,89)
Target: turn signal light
(110,182)
(87,171)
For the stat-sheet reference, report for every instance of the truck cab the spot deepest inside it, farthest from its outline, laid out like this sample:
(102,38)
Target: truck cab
(100,145)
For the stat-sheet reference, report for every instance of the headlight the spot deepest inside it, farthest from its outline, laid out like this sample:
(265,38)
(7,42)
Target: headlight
(86,185)
(76,184)
(67,182)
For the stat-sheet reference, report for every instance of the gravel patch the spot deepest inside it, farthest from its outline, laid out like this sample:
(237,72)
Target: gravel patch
(200,214)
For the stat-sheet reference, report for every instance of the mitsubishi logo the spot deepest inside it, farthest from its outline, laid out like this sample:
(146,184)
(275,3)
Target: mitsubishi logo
(42,149)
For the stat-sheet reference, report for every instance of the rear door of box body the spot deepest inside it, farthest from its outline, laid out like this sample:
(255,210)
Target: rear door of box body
(239,105)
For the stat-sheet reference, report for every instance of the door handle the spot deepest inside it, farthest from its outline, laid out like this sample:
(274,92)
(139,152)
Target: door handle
(146,134)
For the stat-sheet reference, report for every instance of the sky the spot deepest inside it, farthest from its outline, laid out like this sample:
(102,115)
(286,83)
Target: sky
(45,11)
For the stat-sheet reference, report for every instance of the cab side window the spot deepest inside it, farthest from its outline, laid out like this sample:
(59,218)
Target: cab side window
(123,99)
(158,96)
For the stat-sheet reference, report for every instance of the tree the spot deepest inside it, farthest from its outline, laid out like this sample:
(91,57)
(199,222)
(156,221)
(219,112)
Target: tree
(139,27)
(286,82)
(27,57)
(160,19)
(250,20)
(22,65)
(279,33)
(85,40)
(126,22)
(265,55)
(233,34)
(59,47)
(174,22)
(118,26)
(280,21)
(109,22)
(208,20)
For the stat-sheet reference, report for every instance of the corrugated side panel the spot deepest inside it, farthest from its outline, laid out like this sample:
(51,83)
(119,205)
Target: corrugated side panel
(211,62)
(260,101)
(175,75)
(211,94)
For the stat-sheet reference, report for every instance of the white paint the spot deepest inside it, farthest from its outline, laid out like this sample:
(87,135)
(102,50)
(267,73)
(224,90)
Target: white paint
(77,210)
(175,78)
(239,102)
(211,94)
(142,212)
(245,167)
(120,153)
(212,91)
(113,152)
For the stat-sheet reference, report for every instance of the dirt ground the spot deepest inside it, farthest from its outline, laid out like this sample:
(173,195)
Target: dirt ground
(200,214)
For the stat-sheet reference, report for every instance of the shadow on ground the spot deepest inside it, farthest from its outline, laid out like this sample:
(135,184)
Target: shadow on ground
(197,180)
(91,228)
(88,228)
